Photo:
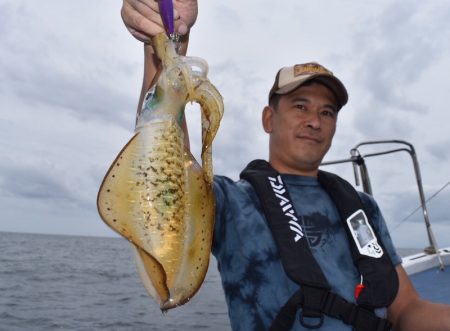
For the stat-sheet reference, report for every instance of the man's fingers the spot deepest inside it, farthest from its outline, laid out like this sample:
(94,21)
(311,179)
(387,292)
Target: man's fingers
(181,28)
(142,19)
(140,36)
(146,7)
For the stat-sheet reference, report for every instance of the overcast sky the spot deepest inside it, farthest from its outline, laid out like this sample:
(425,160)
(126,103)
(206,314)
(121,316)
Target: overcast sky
(70,76)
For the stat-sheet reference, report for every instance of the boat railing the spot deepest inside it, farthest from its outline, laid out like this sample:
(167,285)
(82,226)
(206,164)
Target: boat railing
(362,177)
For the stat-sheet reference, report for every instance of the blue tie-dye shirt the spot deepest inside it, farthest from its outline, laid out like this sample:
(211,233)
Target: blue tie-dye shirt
(253,278)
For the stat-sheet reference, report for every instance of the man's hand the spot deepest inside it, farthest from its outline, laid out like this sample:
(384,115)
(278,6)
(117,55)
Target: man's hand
(411,313)
(143,20)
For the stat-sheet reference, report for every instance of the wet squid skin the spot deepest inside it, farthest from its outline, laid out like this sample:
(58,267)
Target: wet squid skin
(155,193)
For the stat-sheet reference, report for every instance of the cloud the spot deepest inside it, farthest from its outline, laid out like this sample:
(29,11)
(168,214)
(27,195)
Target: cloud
(31,182)
(438,151)
(52,71)
(395,50)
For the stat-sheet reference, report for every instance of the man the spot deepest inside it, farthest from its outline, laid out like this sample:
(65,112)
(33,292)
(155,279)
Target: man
(259,274)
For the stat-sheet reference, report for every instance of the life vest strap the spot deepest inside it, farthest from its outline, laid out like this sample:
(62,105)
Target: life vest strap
(317,302)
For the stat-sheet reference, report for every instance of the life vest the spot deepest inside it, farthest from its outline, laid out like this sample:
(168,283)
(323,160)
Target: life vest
(369,255)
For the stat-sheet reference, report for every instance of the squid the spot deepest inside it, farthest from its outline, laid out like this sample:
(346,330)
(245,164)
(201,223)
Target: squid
(155,193)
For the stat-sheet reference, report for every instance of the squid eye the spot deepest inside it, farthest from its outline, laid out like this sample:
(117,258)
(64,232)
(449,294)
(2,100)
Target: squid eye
(150,94)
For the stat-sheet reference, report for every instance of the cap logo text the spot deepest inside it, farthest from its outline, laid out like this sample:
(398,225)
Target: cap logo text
(310,68)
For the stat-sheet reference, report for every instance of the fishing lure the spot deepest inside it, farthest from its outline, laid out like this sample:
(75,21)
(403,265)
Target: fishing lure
(166,10)
(155,194)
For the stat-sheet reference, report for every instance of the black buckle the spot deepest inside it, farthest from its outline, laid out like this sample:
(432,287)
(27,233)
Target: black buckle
(310,315)
(313,299)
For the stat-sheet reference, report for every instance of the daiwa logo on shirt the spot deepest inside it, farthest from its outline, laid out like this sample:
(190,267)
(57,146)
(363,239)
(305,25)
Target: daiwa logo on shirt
(286,205)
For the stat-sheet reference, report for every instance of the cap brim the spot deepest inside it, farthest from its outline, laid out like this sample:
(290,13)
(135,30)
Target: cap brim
(331,82)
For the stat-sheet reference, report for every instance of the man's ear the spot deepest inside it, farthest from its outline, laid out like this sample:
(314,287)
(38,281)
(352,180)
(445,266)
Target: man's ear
(267,116)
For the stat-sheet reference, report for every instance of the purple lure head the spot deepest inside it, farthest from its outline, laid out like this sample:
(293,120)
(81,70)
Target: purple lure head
(166,10)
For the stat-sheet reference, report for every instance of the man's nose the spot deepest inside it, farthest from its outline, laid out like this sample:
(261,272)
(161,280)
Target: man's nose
(313,120)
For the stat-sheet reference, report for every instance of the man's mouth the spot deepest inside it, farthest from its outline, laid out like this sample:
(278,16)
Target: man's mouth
(310,138)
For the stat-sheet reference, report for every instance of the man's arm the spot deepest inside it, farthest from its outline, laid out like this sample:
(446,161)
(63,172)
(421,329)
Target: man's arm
(409,312)
(143,21)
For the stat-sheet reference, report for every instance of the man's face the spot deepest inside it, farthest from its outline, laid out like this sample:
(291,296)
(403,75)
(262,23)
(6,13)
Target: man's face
(301,129)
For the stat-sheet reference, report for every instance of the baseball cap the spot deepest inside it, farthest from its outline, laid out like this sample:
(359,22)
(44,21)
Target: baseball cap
(289,78)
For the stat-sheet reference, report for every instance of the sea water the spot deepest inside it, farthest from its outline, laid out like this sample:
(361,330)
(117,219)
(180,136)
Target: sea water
(50,282)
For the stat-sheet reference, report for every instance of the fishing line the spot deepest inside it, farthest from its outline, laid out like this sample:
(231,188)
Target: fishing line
(420,206)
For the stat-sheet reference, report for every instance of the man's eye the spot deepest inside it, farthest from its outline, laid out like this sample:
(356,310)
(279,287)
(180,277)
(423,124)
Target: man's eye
(300,107)
(328,113)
